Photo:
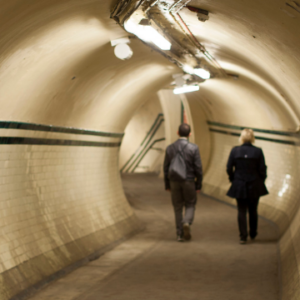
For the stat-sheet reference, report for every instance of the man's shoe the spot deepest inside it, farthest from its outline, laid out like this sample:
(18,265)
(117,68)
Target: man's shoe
(187,231)
(180,239)
(243,242)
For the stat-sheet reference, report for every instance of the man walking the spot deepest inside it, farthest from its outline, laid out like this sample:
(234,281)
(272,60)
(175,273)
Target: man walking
(183,176)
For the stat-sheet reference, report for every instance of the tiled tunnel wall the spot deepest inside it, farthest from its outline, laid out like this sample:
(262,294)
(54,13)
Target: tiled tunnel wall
(73,204)
(59,202)
(144,140)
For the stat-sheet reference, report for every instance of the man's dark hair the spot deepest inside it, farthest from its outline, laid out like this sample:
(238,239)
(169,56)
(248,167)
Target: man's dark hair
(184,130)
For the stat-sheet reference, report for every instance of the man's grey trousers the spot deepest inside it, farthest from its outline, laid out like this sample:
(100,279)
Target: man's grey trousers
(183,195)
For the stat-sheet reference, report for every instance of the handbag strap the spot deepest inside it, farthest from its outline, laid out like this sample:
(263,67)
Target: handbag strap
(181,151)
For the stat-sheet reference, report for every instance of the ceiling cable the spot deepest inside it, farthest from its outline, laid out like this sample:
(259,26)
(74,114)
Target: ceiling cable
(201,47)
(154,2)
(178,2)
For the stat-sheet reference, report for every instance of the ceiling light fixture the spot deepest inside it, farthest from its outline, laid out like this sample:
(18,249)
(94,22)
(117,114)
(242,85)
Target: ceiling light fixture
(202,73)
(148,34)
(188,69)
(198,71)
(122,50)
(158,39)
(186,89)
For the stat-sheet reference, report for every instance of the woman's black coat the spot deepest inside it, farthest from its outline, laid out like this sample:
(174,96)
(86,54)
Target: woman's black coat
(247,172)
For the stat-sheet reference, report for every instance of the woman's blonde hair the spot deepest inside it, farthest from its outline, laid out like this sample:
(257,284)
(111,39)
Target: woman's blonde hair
(247,136)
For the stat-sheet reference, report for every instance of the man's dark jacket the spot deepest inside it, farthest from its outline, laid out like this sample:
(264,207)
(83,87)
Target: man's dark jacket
(192,160)
(247,172)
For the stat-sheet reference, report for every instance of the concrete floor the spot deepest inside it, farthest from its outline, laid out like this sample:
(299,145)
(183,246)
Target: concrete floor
(153,265)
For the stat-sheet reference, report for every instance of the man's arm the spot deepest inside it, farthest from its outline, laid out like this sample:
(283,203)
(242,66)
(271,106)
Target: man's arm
(198,169)
(167,163)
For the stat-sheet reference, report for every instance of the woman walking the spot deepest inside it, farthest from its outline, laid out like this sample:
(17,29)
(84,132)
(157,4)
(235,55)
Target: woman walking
(247,173)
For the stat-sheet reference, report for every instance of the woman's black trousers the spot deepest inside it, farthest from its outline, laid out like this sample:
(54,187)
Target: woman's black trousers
(249,204)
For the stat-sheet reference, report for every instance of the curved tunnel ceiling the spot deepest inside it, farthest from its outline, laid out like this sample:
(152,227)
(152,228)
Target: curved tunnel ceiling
(259,42)
(58,67)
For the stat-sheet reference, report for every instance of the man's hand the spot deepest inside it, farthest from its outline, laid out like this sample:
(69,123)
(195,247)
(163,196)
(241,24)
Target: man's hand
(168,190)
(198,191)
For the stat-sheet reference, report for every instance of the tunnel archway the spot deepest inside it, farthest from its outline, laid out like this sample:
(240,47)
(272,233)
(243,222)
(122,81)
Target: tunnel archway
(66,101)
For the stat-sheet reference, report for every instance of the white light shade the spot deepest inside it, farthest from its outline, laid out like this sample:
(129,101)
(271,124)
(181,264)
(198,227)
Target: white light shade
(148,34)
(202,73)
(186,89)
(123,51)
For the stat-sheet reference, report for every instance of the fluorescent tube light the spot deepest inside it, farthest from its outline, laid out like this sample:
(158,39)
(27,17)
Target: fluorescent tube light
(186,89)
(148,34)
(199,72)
(202,73)
(157,38)
(142,32)
(188,69)
(130,26)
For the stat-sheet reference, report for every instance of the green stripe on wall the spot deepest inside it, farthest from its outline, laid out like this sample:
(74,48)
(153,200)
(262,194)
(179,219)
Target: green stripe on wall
(257,137)
(235,127)
(53,142)
(60,129)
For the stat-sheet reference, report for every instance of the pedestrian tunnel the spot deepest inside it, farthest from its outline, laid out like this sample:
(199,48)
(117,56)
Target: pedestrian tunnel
(67,99)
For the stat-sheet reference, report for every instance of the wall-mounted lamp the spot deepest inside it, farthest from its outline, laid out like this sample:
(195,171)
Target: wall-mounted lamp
(122,50)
